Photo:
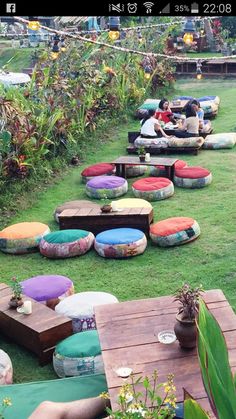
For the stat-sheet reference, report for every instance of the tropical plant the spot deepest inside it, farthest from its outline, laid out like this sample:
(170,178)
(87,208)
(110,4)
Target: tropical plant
(141,151)
(16,288)
(189,301)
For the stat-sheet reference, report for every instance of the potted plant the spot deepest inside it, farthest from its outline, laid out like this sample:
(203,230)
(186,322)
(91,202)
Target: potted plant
(141,153)
(185,327)
(16,299)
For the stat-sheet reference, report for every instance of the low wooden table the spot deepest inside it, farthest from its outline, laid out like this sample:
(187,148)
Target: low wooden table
(94,220)
(39,332)
(123,161)
(128,336)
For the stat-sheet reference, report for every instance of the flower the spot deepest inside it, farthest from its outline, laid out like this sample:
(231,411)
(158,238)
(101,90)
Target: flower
(6,402)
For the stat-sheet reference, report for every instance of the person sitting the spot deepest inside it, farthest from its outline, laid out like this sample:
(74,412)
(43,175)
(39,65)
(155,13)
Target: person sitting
(164,112)
(190,126)
(199,111)
(150,126)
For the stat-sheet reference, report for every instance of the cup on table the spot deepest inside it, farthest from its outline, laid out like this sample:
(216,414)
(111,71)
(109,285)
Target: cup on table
(147,157)
(27,306)
(114,206)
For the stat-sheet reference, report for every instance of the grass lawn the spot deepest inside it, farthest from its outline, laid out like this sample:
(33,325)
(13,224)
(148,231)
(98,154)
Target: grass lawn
(20,58)
(210,260)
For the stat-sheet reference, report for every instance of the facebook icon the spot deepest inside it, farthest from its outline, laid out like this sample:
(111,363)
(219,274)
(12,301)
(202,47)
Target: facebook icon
(11,8)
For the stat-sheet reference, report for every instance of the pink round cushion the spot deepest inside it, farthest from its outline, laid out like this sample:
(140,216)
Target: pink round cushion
(151,184)
(98,169)
(195,172)
(179,164)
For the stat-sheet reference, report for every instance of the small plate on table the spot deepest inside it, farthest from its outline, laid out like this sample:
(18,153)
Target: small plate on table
(166,337)
(20,310)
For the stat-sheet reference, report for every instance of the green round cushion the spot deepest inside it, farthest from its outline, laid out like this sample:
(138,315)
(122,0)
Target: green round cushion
(80,345)
(65,236)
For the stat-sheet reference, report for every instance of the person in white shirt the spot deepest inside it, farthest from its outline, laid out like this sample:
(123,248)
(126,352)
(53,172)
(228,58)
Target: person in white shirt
(150,126)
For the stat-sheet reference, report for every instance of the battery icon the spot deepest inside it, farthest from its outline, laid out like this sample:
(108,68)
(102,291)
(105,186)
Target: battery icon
(194,8)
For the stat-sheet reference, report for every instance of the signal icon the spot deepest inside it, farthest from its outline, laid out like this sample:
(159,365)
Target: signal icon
(148,6)
(166,9)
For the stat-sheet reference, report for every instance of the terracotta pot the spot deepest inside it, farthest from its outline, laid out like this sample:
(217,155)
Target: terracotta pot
(142,158)
(15,302)
(186,332)
(106,208)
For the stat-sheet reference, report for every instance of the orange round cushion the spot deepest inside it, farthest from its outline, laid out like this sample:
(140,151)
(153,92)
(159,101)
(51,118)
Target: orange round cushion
(151,183)
(98,169)
(23,231)
(171,226)
(195,172)
(179,164)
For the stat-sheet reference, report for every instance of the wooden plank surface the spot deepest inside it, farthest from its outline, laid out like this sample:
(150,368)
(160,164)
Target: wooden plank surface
(164,161)
(128,336)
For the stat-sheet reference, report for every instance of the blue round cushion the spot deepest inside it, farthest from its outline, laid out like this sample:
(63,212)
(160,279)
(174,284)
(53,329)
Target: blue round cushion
(119,236)
(204,98)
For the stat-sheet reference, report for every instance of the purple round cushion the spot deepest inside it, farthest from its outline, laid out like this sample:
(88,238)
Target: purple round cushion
(106,182)
(45,287)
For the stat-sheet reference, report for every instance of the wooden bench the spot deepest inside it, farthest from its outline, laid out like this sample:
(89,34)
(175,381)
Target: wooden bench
(92,219)
(39,332)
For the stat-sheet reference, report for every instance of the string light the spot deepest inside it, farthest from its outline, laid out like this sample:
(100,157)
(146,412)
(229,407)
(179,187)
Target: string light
(114,26)
(189,29)
(147,72)
(55,47)
(199,70)
(63,45)
(188,38)
(33,24)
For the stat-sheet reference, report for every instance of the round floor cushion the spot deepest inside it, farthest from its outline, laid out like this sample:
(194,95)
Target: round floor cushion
(79,354)
(98,169)
(6,370)
(153,188)
(22,237)
(174,231)
(66,243)
(161,170)
(192,177)
(133,170)
(221,140)
(47,287)
(80,308)
(132,203)
(102,187)
(74,205)
(120,243)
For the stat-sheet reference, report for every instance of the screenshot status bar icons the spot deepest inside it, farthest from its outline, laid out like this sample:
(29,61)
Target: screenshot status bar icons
(149,7)
(193,8)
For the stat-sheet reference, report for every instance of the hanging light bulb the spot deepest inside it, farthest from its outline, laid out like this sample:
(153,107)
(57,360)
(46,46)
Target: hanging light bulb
(140,37)
(63,45)
(55,52)
(189,29)
(188,38)
(147,72)
(33,24)
(114,26)
(199,70)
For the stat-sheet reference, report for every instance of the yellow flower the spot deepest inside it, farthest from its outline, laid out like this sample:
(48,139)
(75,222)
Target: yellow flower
(7,401)
(104,395)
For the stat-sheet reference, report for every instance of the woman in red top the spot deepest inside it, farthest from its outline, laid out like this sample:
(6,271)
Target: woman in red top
(164,113)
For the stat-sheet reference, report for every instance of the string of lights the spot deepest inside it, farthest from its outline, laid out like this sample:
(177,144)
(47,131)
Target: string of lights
(178,58)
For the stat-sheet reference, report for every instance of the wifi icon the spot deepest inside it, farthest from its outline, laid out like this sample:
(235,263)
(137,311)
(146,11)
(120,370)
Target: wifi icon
(148,6)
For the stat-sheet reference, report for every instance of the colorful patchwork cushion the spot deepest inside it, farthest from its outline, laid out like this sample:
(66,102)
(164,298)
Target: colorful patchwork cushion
(153,189)
(79,354)
(209,107)
(135,170)
(195,142)
(161,142)
(47,287)
(98,169)
(74,205)
(174,231)
(6,370)
(192,177)
(132,203)
(150,104)
(161,170)
(101,187)
(22,238)
(80,308)
(66,243)
(214,99)
(120,243)
(222,140)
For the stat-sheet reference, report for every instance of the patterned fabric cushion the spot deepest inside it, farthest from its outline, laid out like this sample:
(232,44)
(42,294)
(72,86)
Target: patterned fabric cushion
(150,104)
(209,107)
(6,370)
(192,177)
(79,354)
(98,169)
(46,287)
(101,187)
(222,140)
(151,142)
(66,243)
(74,205)
(161,171)
(174,231)
(120,243)
(135,170)
(153,189)
(22,237)
(214,99)
(80,308)
(133,203)
(186,142)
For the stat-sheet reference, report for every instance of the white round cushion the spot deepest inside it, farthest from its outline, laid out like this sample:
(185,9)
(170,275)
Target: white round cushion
(222,140)
(6,370)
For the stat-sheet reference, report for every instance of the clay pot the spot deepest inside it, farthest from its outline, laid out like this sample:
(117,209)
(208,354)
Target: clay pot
(142,158)
(106,208)
(15,302)
(186,332)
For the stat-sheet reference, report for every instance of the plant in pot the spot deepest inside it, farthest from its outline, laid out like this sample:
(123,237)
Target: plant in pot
(16,299)
(185,327)
(141,153)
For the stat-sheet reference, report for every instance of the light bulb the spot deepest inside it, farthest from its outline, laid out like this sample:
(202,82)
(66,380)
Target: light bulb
(34,25)
(54,55)
(199,76)
(188,38)
(147,76)
(114,35)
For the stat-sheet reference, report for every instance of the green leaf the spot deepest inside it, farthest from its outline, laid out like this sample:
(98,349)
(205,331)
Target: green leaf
(193,410)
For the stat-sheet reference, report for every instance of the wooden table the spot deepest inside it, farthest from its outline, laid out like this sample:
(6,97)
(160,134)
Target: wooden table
(123,161)
(178,107)
(39,332)
(94,220)
(127,333)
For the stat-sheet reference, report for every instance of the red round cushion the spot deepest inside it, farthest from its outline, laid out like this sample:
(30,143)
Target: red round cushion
(171,226)
(179,164)
(98,169)
(151,183)
(195,172)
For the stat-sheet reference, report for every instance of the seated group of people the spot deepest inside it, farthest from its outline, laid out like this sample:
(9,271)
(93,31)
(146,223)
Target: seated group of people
(151,124)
